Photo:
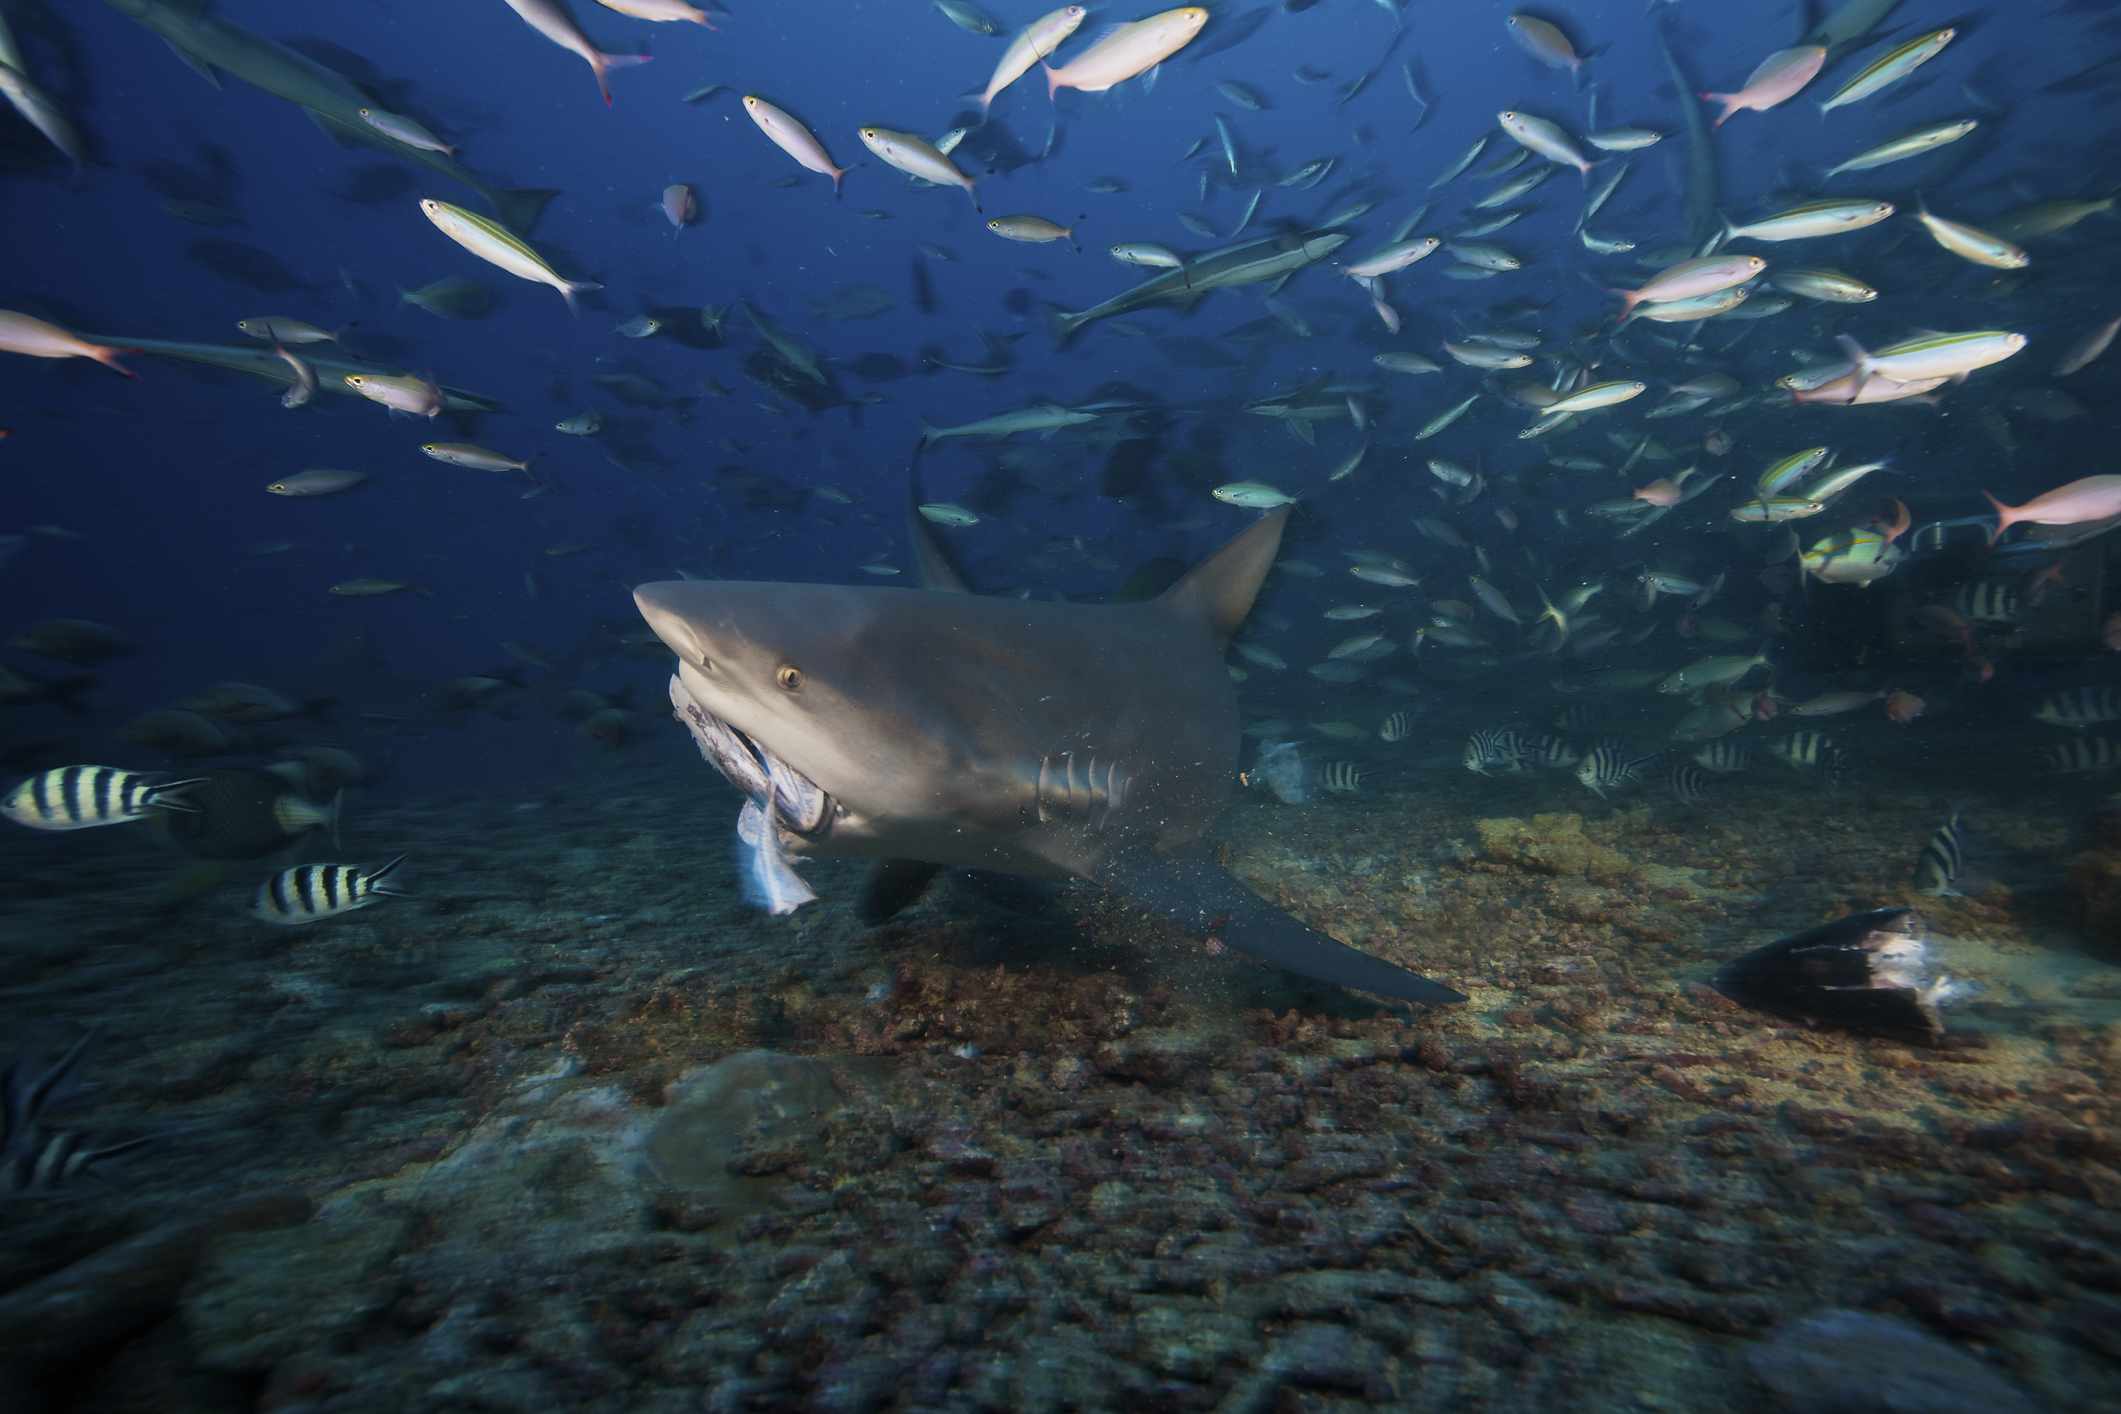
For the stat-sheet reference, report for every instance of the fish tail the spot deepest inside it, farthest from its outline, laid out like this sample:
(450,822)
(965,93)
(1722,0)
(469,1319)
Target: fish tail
(2003,518)
(108,357)
(837,173)
(377,875)
(1065,322)
(1053,82)
(603,64)
(570,288)
(1725,100)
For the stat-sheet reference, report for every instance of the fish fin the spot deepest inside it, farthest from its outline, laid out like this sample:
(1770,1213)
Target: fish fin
(1064,323)
(376,875)
(1863,369)
(1194,891)
(1053,83)
(570,288)
(196,64)
(2002,517)
(893,886)
(338,132)
(520,207)
(603,64)
(1218,592)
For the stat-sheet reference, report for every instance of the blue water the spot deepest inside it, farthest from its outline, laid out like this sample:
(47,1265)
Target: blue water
(143,506)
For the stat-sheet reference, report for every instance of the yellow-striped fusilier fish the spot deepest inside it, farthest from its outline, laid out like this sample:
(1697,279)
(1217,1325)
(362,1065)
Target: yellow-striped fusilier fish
(493,243)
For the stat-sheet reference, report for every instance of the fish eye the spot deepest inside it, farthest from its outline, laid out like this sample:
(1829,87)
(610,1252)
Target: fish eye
(789,677)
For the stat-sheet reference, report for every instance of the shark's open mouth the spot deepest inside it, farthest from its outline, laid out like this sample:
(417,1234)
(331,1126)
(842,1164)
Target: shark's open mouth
(800,805)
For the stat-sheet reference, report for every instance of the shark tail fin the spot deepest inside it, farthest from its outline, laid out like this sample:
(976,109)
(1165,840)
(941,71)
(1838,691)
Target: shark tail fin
(1218,592)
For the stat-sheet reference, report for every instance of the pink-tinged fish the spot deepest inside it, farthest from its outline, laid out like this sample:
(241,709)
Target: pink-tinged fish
(2089,499)
(1034,45)
(1663,493)
(1780,77)
(1544,41)
(1126,50)
(550,18)
(1690,279)
(917,157)
(793,138)
(35,338)
(660,11)
(681,206)
(1545,138)
(404,393)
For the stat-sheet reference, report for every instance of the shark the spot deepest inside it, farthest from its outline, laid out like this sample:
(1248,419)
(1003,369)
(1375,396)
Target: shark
(212,46)
(928,728)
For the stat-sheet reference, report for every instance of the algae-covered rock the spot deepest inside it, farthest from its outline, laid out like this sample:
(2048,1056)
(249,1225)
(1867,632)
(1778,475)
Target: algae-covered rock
(1551,844)
(265,1297)
(730,1128)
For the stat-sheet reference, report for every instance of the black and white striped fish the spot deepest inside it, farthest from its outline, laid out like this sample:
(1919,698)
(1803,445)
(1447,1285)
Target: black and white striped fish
(311,893)
(1689,782)
(34,1159)
(1937,868)
(1724,757)
(1396,727)
(82,797)
(2082,756)
(1609,766)
(1547,753)
(2080,707)
(1494,749)
(1809,751)
(1987,601)
(1342,777)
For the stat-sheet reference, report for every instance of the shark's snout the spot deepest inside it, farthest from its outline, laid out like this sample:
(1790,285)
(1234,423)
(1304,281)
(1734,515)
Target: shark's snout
(659,607)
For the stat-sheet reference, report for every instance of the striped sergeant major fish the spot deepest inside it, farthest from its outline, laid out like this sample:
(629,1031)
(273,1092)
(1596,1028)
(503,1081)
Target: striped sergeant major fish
(2082,756)
(82,797)
(1689,783)
(2080,707)
(1809,751)
(1725,758)
(1396,727)
(1547,753)
(1495,749)
(1609,766)
(1937,868)
(34,1159)
(1341,777)
(311,893)
(1987,601)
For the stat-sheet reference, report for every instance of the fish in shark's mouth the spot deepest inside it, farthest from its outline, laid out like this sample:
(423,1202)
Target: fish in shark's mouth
(777,798)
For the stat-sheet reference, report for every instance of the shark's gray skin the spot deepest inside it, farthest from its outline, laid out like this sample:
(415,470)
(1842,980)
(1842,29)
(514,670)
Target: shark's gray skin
(931,728)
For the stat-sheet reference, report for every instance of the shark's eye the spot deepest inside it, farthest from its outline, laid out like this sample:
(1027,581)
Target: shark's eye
(789,677)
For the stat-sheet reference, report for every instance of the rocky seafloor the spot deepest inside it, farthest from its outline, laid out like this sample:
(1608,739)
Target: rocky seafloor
(571,1128)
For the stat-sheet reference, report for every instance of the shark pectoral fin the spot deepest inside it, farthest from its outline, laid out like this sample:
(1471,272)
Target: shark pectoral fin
(196,64)
(1193,890)
(894,884)
(332,128)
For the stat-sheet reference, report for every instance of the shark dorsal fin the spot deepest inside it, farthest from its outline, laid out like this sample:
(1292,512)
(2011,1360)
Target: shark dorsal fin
(932,563)
(1218,592)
